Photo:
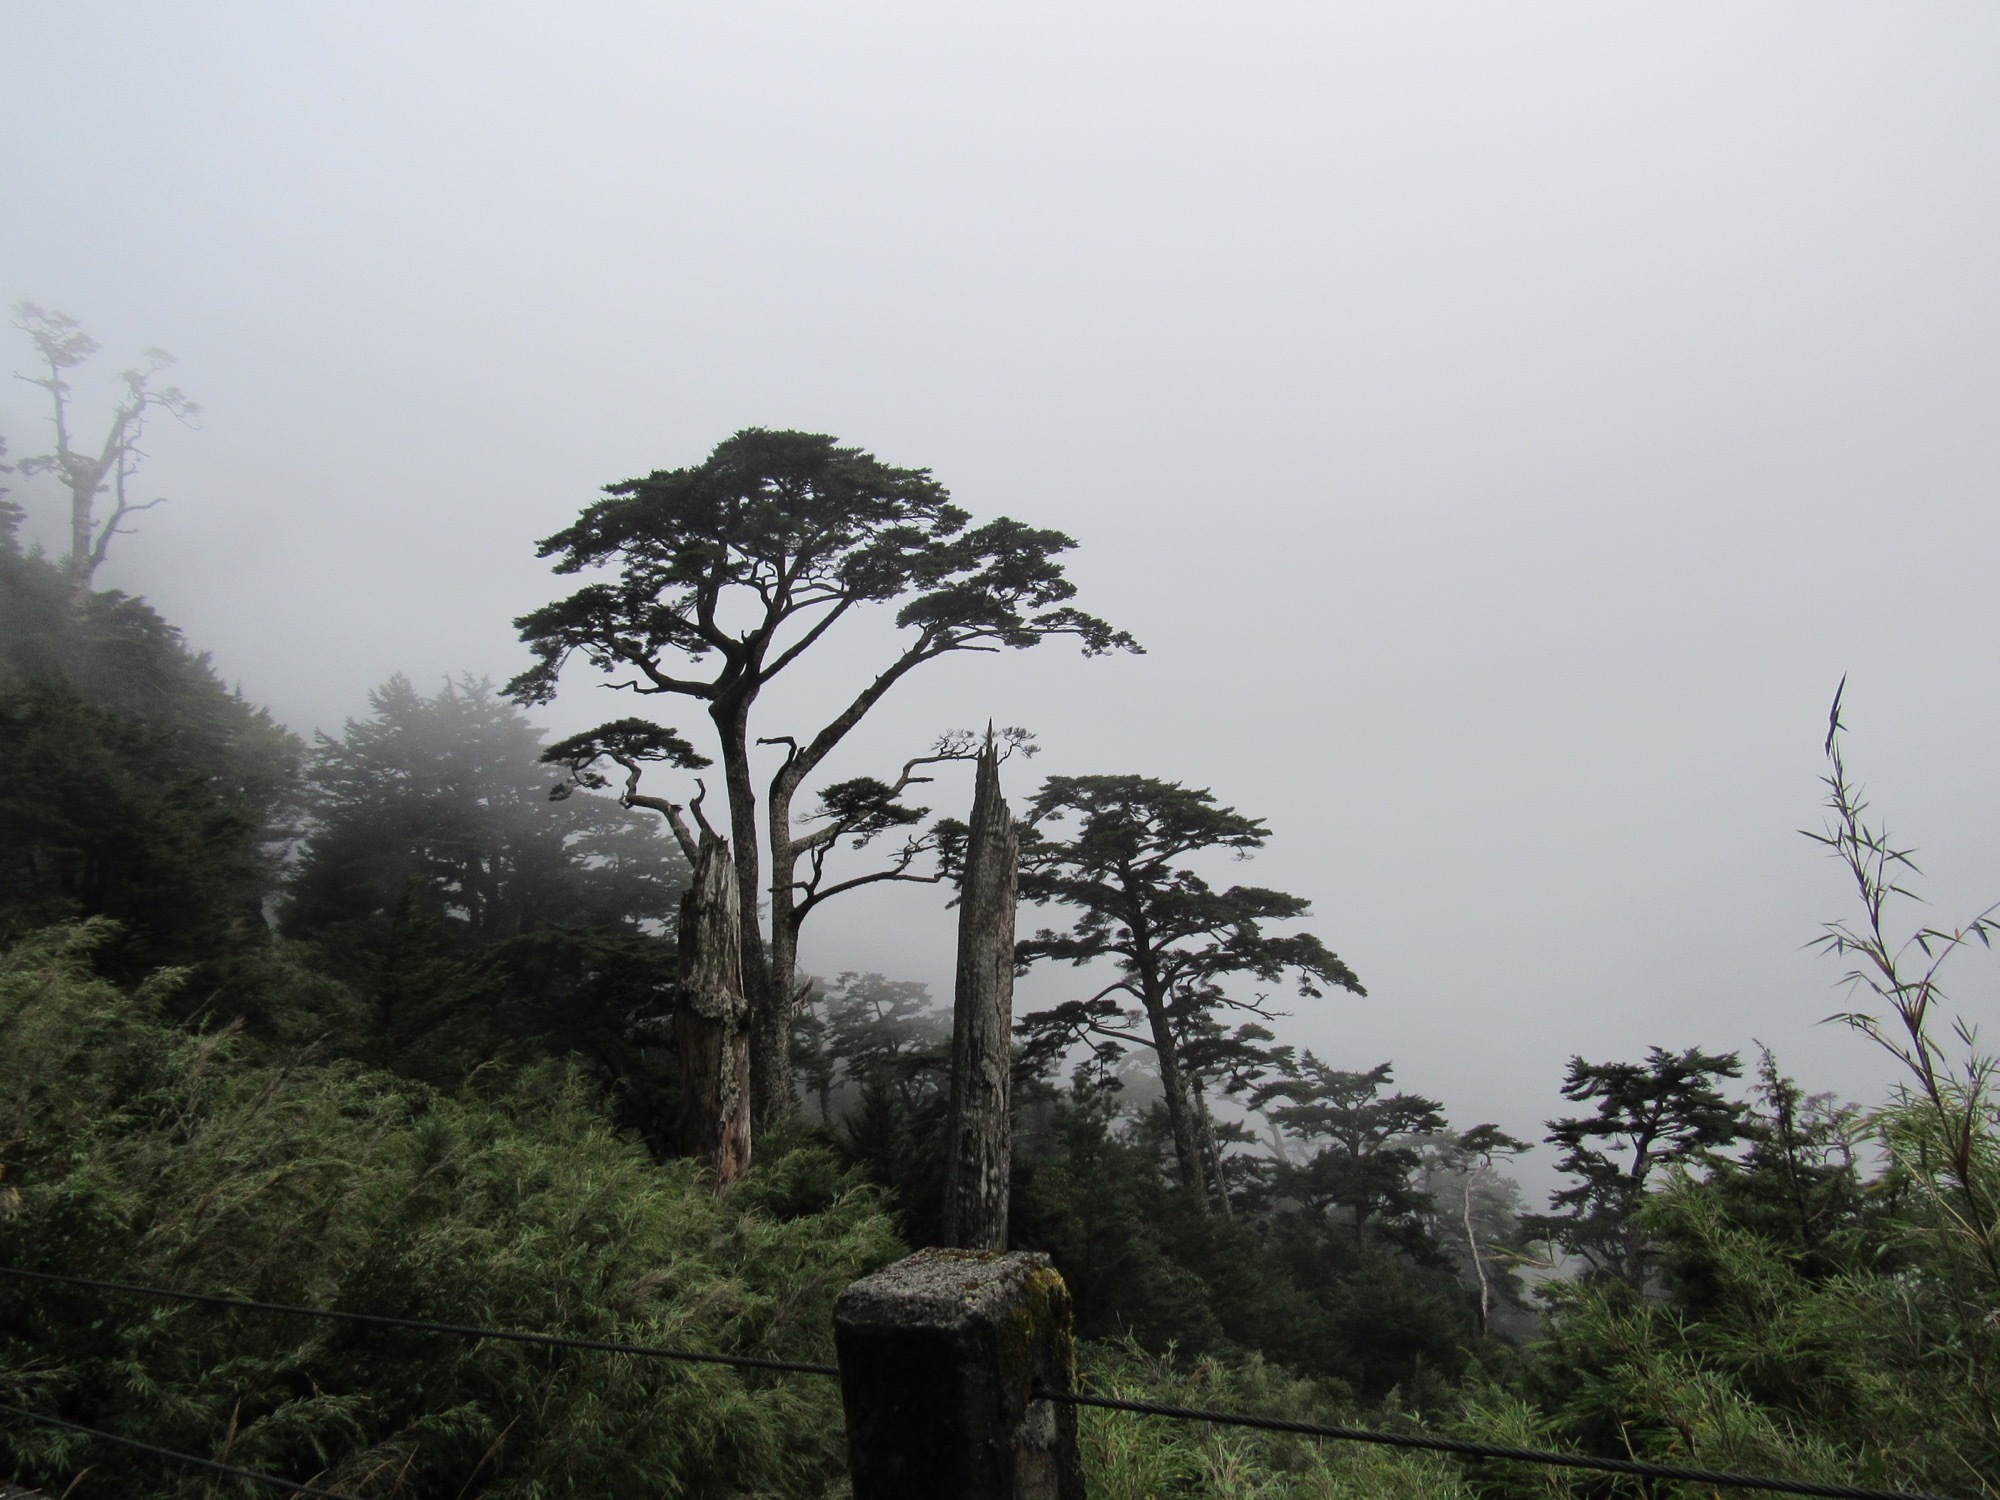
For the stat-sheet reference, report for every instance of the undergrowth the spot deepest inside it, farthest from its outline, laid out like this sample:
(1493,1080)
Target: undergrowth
(140,1151)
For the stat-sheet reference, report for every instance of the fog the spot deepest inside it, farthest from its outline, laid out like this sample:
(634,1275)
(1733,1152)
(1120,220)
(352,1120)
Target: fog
(1503,426)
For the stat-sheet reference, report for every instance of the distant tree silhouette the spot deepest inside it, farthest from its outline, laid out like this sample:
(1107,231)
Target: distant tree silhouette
(90,470)
(442,799)
(1179,949)
(1667,1109)
(1369,1145)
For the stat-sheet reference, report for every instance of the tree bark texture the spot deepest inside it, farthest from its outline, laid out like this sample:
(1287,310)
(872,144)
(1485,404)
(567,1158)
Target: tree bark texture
(711,1021)
(771,1026)
(979,1146)
(764,987)
(1472,1249)
(1173,1086)
(1211,1152)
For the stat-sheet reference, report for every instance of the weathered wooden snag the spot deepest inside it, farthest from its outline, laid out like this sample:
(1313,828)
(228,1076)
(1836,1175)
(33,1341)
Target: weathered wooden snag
(979,1142)
(939,1355)
(711,1020)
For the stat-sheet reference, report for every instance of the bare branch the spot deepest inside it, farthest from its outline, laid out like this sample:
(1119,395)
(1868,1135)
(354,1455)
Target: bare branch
(874,877)
(695,808)
(820,627)
(671,811)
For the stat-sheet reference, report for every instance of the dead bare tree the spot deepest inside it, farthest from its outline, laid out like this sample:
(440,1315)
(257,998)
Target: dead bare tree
(107,467)
(979,1144)
(711,1019)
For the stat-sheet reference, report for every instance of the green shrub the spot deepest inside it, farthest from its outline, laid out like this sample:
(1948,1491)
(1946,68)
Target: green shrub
(139,1151)
(1132,1457)
(1848,1378)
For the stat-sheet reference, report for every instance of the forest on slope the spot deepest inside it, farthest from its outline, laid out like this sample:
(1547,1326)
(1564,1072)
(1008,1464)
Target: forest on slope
(377,1022)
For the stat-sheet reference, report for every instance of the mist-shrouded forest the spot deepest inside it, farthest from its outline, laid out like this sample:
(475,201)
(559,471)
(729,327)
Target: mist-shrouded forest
(1463,964)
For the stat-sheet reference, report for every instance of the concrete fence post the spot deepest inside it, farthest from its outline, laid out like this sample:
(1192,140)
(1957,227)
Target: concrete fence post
(938,1356)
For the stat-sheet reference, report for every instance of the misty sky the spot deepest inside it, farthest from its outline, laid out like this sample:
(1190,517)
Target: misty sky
(1503,425)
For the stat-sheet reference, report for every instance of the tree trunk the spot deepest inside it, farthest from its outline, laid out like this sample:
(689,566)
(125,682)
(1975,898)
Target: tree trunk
(766,989)
(771,1025)
(1180,1117)
(1472,1249)
(979,1142)
(709,1021)
(82,527)
(1153,996)
(1211,1153)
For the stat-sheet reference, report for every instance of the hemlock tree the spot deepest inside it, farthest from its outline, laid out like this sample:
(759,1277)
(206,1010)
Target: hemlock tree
(1369,1145)
(1475,1210)
(1798,1185)
(468,911)
(443,799)
(883,1079)
(107,466)
(1649,1115)
(721,576)
(1179,949)
(134,784)
(886,1033)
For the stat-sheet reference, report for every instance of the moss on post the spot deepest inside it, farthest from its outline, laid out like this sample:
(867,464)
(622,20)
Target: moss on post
(939,1357)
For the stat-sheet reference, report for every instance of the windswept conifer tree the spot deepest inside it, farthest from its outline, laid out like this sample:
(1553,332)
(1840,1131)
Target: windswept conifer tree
(1180,951)
(711,581)
(1649,1116)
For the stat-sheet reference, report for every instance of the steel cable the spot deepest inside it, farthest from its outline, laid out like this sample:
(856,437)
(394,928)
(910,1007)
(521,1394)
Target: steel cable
(1466,1449)
(252,1475)
(1457,1446)
(420,1325)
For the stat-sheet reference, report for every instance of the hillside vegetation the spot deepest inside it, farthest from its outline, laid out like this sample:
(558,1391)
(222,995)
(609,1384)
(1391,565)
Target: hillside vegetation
(375,1024)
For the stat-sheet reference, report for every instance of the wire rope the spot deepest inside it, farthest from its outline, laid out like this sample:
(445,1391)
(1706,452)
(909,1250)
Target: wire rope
(271,1480)
(1467,1449)
(422,1325)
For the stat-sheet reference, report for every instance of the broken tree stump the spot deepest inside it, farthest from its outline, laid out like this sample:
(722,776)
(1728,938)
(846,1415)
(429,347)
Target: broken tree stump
(979,1138)
(711,1019)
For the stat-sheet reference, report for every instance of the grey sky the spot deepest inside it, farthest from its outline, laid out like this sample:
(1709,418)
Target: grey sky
(1502,424)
